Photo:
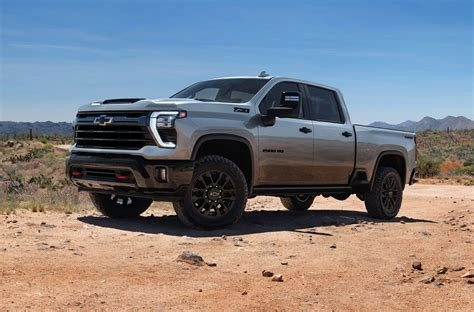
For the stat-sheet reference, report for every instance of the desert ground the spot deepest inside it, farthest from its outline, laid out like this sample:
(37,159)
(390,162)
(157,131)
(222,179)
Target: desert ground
(331,258)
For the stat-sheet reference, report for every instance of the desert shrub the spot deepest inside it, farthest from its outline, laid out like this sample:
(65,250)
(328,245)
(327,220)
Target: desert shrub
(35,206)
(427,168)
(15,185)
(33,154)
(467,170)
(44,140)
(468,162)
(449,166)
(42,181)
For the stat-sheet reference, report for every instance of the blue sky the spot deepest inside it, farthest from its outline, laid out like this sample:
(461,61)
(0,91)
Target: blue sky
(393,60)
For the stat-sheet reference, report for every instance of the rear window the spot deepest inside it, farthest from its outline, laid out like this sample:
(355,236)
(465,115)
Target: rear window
(233,90)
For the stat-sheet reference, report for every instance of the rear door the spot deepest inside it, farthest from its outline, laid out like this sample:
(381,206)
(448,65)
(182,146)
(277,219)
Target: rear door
(334,138)
(286,148)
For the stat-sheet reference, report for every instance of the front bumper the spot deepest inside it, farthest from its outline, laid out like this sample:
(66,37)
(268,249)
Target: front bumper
(129,175)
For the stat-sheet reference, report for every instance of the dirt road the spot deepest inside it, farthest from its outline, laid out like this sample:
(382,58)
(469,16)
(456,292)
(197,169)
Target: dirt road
(332,257)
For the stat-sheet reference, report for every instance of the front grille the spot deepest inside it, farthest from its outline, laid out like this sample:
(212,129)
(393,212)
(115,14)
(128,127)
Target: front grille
(124,131)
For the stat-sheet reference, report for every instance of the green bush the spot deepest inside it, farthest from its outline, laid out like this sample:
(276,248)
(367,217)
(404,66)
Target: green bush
(33,154)
(42,181)
(467,170)
(427,168)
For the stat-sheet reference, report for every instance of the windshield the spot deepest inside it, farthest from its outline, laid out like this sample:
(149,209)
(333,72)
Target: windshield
(234,90)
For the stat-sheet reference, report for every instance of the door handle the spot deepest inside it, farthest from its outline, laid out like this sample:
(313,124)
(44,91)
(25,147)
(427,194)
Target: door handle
(305,130)
(347,134)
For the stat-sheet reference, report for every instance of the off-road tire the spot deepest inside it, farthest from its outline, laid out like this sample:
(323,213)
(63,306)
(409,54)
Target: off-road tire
(201,207)
(385,199)
(117,206)
(298,202)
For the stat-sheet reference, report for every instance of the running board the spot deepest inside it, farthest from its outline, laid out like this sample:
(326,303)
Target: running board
(296,190)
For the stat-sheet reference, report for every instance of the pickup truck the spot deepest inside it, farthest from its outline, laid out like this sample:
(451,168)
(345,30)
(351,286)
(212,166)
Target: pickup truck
(218,142)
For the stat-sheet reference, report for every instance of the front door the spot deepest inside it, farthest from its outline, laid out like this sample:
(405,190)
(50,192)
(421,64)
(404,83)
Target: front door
(286,148)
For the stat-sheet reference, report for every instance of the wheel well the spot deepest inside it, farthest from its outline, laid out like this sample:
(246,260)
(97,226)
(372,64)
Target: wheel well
(236,151)
(397,162)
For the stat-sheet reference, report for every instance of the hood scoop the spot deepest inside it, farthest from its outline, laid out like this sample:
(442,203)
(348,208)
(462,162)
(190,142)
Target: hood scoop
(121,101)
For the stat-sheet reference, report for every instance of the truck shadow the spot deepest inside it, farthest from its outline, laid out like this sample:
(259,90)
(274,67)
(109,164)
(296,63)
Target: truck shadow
(252,222)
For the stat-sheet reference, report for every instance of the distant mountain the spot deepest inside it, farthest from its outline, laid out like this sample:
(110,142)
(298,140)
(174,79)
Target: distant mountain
(429,123)
(38,127)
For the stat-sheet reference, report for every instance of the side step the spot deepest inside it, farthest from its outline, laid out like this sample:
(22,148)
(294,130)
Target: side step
(296,190)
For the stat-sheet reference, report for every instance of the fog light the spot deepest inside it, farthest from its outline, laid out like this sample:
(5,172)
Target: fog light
(162,174)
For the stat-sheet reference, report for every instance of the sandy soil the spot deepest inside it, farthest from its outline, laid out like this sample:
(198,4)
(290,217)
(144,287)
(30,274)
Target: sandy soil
(332,257)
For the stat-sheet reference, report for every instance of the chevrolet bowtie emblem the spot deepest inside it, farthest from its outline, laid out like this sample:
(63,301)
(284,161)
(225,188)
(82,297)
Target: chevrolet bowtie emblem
(103,120)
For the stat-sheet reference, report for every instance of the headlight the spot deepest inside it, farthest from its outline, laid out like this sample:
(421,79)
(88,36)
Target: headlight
(164,121)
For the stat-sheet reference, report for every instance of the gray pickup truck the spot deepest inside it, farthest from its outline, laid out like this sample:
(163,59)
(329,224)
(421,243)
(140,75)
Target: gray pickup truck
(218,142)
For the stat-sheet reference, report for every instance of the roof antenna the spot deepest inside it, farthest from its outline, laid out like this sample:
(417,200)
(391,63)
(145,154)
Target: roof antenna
(263,74)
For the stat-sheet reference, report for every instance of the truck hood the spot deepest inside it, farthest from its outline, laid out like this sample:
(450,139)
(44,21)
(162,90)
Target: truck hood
(152,105)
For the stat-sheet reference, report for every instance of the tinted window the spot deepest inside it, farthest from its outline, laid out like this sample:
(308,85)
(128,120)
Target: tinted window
(235,90)
(273,97)
(323,105)
(208,94)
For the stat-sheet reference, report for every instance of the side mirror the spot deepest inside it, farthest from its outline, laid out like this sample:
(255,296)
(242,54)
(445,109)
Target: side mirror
(290,103)
(290,99)
(289,106)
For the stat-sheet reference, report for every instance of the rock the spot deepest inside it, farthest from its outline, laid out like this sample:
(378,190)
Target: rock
(467,275)
(427,280)
(277,278)
(50,226)
(402,222)
(457,268)
(266,273)
(238,239)
(200,290)
(425,233)
(284,263)
(190,258)
(442,270)
(224,237)
(470,281)
(417,265)
(333,246)
(211,264)
(244,293)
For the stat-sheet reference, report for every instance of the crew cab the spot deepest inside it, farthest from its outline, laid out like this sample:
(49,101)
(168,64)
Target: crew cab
(218,142)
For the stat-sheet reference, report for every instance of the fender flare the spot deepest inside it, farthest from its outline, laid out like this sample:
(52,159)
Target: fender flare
(381,155)
(228,137)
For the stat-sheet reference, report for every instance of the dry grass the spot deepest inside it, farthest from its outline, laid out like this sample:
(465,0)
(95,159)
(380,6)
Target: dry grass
(37,182)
